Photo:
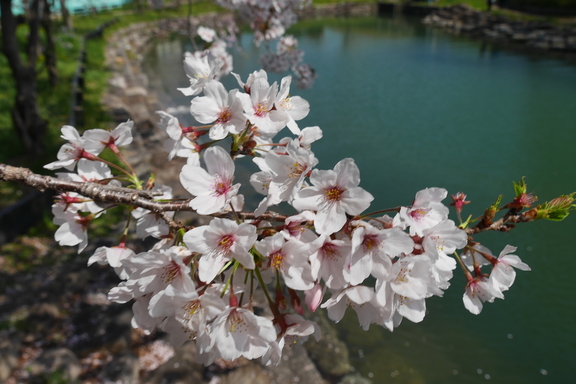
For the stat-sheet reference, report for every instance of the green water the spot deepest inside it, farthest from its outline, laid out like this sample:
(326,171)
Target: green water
(416,107)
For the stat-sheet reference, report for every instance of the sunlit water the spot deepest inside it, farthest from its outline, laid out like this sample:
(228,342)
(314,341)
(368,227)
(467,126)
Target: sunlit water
(416,107)
(76,6)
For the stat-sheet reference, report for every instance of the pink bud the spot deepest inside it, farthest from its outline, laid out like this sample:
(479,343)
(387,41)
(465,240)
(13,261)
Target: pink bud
(314,297)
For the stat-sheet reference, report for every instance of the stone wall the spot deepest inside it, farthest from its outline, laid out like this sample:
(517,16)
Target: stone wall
(543,36)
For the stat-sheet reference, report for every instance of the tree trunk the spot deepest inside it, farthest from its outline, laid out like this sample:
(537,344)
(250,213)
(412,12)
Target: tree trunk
(66,16)
(50,50)
(26,118)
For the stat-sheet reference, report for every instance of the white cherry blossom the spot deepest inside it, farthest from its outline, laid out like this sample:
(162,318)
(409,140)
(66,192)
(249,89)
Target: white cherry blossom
(213,188)
(222,108)
(200,67)
(295,107)
(239,332)
(334,194)
(478,291)
(503,273)
(358,298)
(426,211)
(290,258)
(259,107)
(220,242)
(118,137)
(74,150)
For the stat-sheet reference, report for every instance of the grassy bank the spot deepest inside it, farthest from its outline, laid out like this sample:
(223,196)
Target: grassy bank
(55,102)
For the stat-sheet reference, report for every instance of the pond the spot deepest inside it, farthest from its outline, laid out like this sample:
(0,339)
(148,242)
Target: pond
(416,108)
(77,6)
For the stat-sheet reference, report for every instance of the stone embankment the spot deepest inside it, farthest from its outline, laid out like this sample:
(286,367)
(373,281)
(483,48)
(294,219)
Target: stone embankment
(461,19)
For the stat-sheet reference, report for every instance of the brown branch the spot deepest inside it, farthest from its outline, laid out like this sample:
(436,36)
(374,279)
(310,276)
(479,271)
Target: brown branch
(116,195)
(505,224)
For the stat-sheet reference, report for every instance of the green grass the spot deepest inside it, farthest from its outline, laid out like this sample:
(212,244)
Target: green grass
(546,3)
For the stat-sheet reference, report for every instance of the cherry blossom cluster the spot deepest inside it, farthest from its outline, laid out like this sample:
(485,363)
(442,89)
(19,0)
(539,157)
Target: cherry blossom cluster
(269,20)
(203,283)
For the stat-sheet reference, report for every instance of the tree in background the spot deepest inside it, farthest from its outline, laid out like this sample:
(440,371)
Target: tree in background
(29,125)
(50,48)
(66,16)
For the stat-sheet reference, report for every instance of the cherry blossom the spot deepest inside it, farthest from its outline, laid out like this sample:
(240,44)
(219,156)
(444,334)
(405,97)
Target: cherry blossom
(239,332)
(426,211)
(213,188)
(295,107)
(207,34)
(72,230)
(503,273)
(334,194)
(222,108)
(220,242)
(258,107)
(289,258)
(178,143)
(98,139)
(200,67)
(74,150)
(358,298)
(287,171)
(478,291)
(91,171)
(150,223)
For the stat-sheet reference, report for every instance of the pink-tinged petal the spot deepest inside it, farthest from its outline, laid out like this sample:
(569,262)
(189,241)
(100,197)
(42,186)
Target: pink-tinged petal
(300,108)
(67,164)
(348,173)
(330,219)
(68,234)
(123,133)
(323,178)
(413,310)
(195,240)
(308,198)
(516,262)
(218,132)
(70,134)
(293,127)
(313,297)
(429,195)
(216,91)
(472,302)
(356,200)
(246,237)
(97,136)
(170,124)
(204,109)
(206,205)
(359,269)
(196,180)
(414,289)
(210,266)
(360,294)
(219,162)
(336,311)
(245,258)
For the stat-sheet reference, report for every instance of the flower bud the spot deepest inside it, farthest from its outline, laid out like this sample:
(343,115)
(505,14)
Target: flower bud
(556,209)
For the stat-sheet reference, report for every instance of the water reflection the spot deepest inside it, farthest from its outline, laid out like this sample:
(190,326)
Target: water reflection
(416,107)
